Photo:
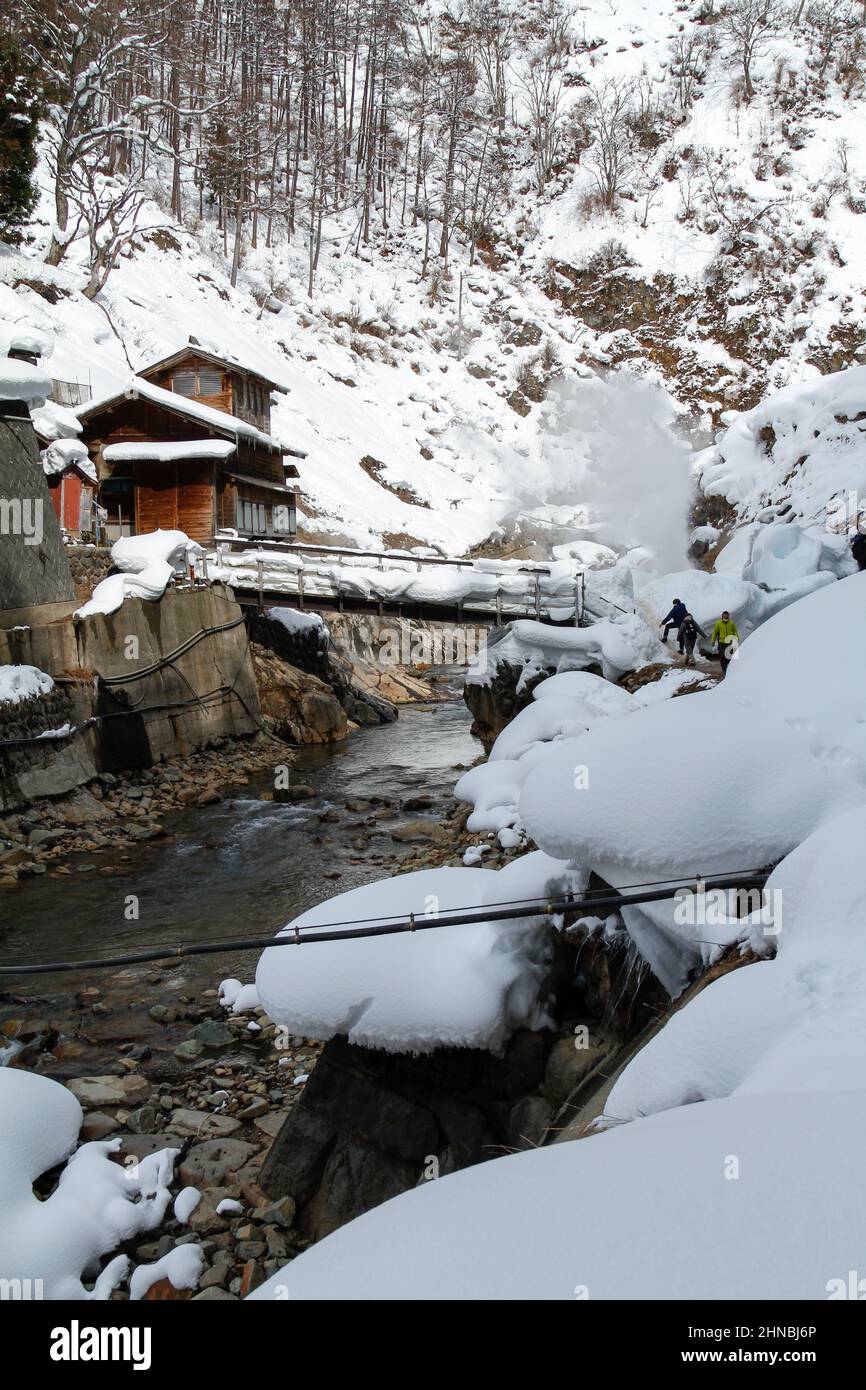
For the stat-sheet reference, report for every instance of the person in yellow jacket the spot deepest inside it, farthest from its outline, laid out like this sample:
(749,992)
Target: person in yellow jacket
(726,639)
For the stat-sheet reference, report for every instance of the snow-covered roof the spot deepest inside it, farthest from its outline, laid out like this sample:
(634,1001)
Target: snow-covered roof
(21,381)
(165,451)
(137,388)
(63,454)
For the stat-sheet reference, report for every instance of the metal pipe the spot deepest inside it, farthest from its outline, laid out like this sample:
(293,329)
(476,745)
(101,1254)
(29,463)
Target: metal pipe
(530,908)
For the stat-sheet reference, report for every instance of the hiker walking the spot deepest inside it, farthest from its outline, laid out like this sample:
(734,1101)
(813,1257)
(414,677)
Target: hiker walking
(690,629)
(858,550)
(725,636)
(674,618)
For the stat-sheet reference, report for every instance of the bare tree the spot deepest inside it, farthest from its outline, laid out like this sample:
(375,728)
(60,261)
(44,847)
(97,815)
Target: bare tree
(544,91)
(458,78)
(830,22)
(688,63)
(610,157)
(747,25)
(90,51)
(110,210)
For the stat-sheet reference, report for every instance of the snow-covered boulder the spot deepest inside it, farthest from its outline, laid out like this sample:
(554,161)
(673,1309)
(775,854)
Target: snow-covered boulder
(134,554)
(97,1204)
(802,448)
(644,1211)
(107,597)
(459,986)
(749,770)
(531,647)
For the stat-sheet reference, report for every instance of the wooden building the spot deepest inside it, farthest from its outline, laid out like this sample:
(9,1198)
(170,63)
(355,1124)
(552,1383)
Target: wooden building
(72,492)
(185,445)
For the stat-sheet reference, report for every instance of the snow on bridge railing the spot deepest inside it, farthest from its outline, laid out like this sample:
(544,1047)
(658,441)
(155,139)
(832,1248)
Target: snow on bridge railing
(312,580)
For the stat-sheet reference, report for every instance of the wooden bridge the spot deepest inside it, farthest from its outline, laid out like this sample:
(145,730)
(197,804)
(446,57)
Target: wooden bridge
(328,579)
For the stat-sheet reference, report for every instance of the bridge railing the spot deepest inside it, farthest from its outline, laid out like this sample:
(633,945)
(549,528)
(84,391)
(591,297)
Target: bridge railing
(502,603)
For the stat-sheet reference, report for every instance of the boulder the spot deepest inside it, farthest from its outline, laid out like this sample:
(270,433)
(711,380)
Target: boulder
(302,708)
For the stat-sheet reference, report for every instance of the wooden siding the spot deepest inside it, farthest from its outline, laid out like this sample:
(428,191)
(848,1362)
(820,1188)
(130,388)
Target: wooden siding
(175,497)
(232,399)
(140,421)
(185,495)
(66,491)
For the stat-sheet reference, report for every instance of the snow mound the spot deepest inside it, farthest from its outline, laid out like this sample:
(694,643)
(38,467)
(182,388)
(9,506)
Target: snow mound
(22,683)
(134,554)
(793,1024)
(107,597)
(616,646)
(750,769)
(706,596)
(19,381)
(96,1205)
(802,448)
(664,1220)
(459,986)
(67,453)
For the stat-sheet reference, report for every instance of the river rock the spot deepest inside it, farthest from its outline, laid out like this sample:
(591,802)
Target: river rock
(529,1121)
(97,1126)
(303,708)
(567,1066)
(417,831)
(210,1163)
(203,1125)
(94,1091)
(143,1145)
(213,1035)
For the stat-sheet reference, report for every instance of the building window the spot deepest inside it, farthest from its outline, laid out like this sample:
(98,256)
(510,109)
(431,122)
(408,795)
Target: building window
(183,383)
(252,517)
(285,519)
(207,381)
(210,382)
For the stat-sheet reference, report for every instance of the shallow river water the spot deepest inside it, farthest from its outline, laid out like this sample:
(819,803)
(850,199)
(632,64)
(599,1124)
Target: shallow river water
(242,866)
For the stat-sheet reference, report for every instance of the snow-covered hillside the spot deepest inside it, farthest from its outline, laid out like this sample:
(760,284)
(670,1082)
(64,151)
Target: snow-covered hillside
(445,402)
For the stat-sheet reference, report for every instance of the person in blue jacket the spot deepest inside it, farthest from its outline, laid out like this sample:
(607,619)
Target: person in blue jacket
(674,618)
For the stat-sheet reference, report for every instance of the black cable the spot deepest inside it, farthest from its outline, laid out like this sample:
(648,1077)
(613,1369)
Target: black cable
(292,936)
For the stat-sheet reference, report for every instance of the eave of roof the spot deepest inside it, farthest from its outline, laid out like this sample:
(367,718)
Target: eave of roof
(219,421)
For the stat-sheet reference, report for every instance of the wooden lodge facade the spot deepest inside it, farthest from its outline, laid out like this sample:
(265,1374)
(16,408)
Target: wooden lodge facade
(185,445)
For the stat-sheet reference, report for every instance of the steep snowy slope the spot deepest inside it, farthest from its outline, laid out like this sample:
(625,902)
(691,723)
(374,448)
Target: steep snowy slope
(443,406)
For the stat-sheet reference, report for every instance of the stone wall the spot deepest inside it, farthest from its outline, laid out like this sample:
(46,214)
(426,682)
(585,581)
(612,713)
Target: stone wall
(148,702)
(89,564)
(33,564)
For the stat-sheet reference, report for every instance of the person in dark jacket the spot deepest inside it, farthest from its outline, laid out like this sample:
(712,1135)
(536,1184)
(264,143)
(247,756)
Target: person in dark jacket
(689,632)
(858,550)
(674,618)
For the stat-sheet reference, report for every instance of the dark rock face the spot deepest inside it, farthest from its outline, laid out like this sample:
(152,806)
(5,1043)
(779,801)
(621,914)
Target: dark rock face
(372,1124)
(495,704)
